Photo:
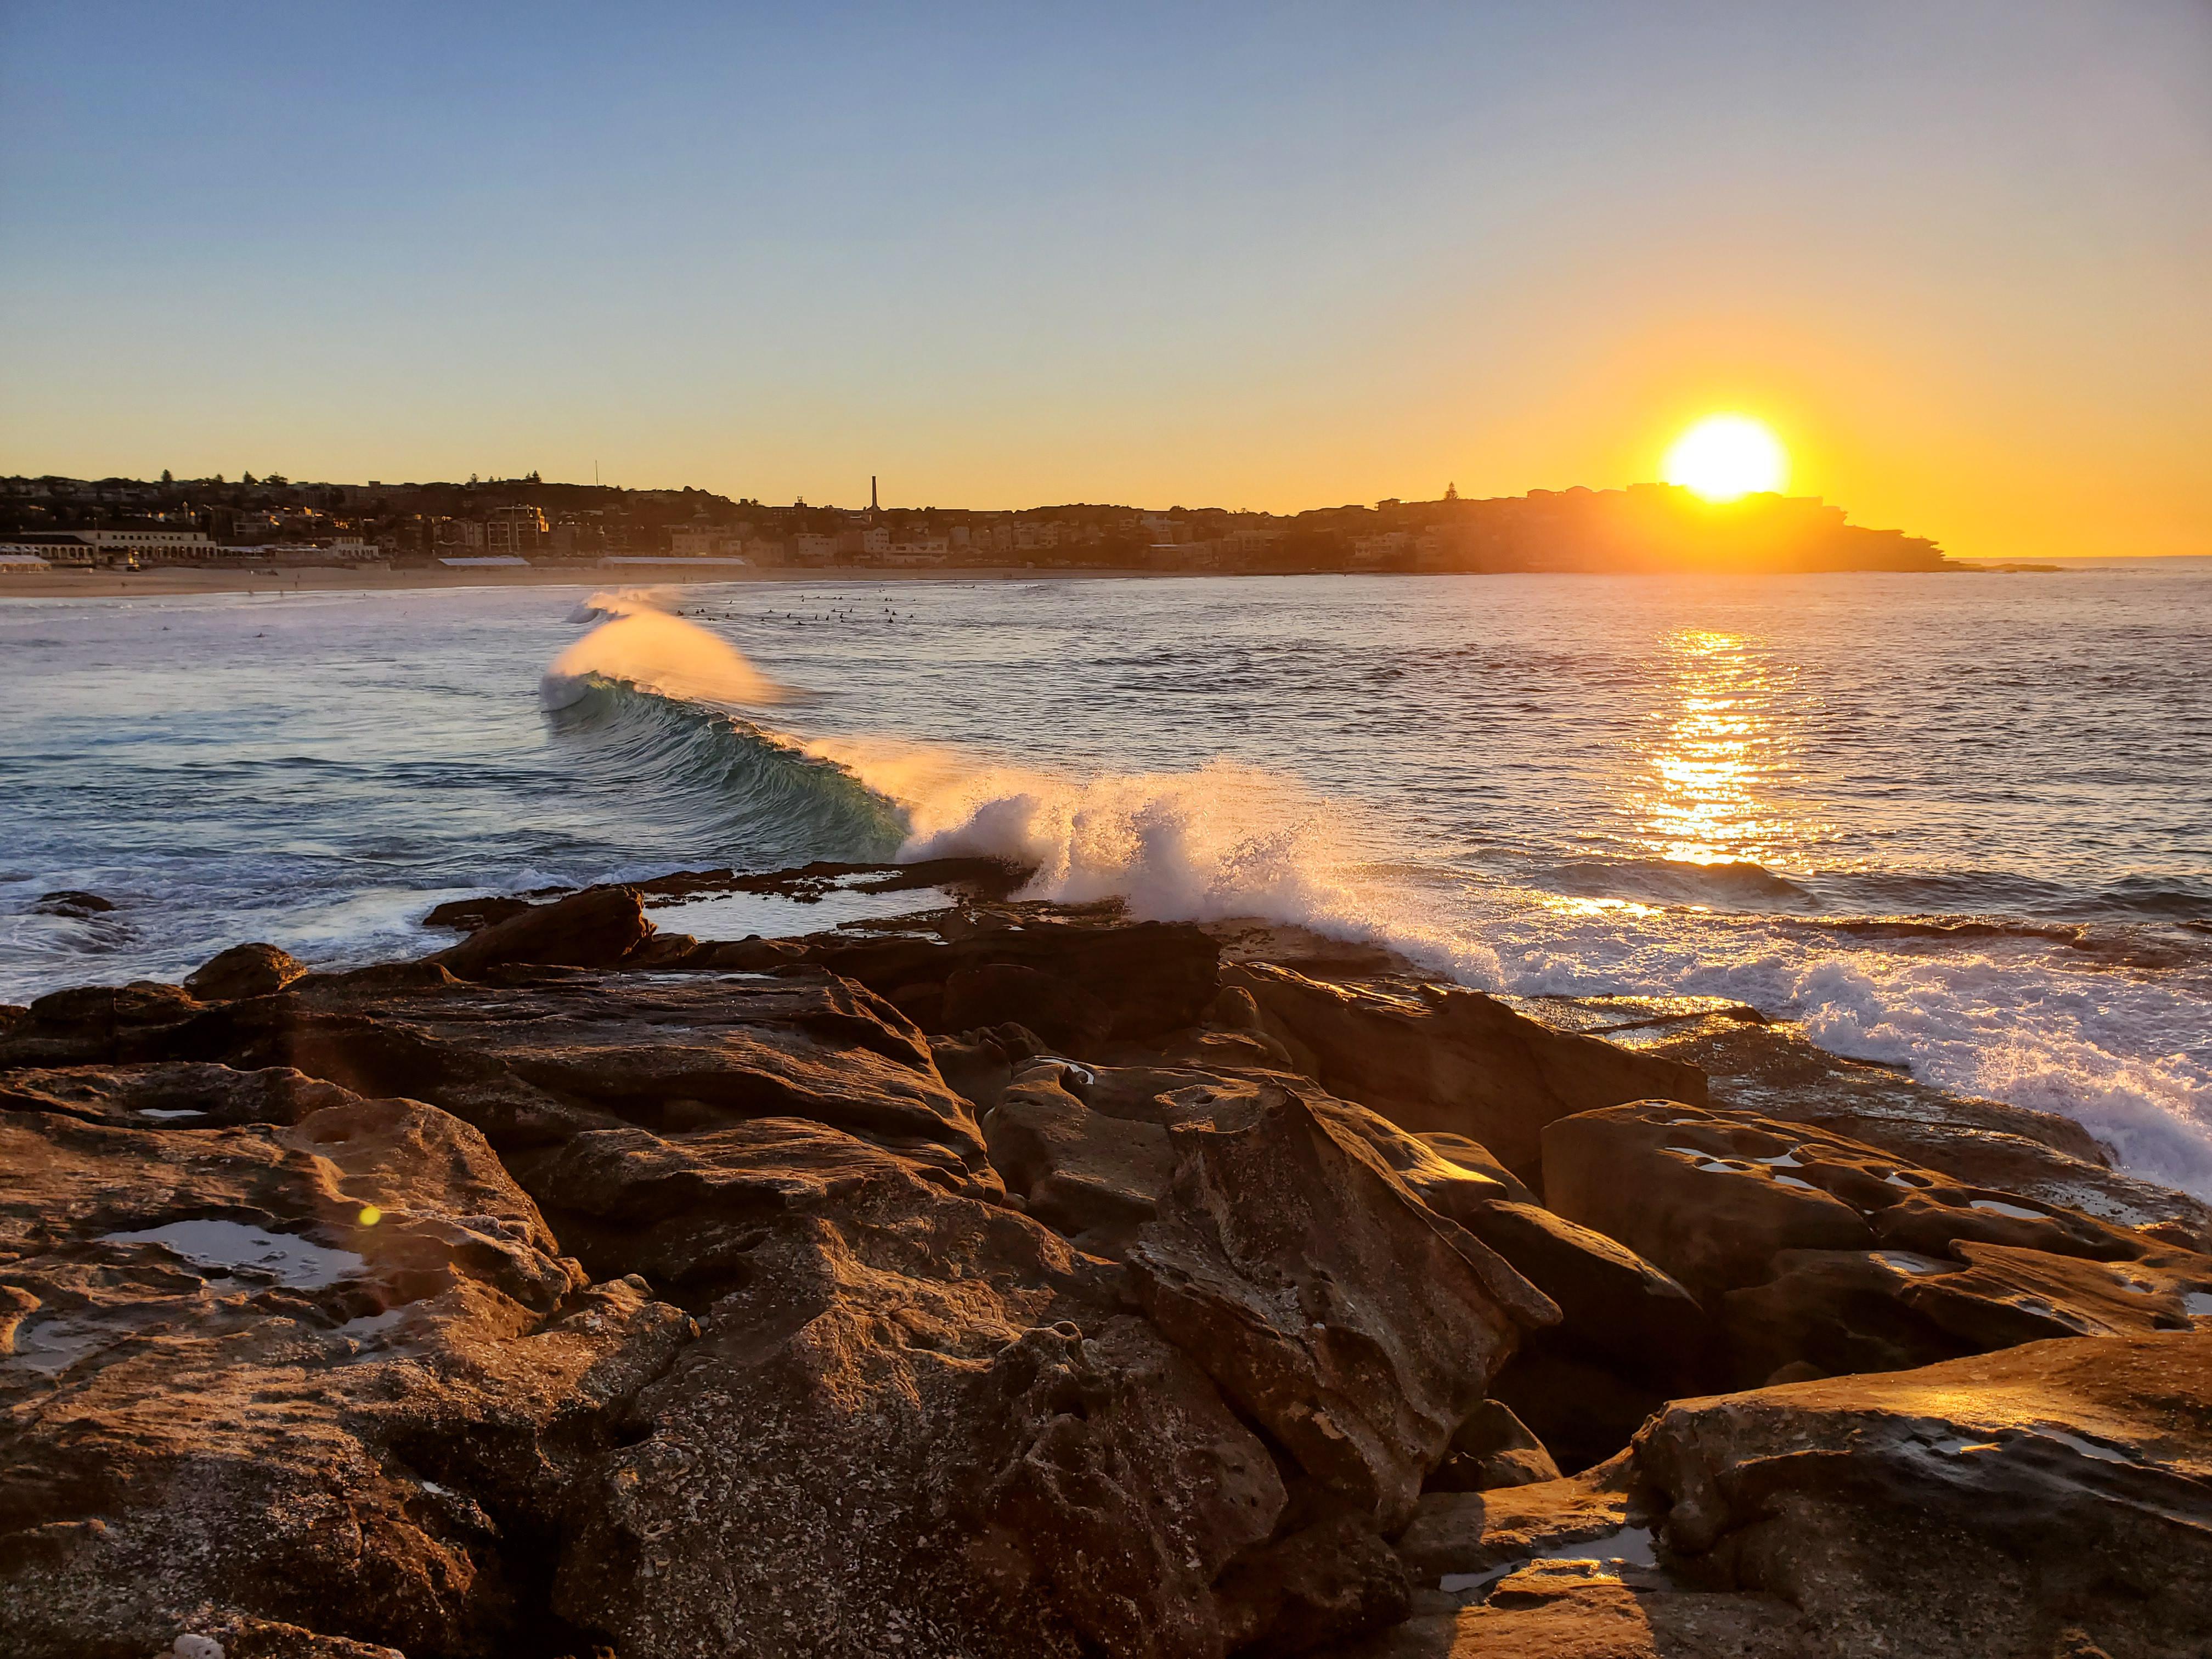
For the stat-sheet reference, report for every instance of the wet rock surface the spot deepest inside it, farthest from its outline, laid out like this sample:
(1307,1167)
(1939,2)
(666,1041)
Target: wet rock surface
(1440,1058)
(1014,1279)
(2050,1500)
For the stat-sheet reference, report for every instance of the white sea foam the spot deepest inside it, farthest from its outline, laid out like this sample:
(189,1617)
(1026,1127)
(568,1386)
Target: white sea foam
(2023,1021)
(1222,841)
(2020,1023)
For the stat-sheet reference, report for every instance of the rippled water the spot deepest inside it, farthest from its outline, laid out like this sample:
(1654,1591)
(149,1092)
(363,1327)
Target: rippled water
(1962,823)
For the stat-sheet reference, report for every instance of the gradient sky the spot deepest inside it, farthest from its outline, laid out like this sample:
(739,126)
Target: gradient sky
(1958,254)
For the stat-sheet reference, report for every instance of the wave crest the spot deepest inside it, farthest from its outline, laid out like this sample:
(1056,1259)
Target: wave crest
(638,644)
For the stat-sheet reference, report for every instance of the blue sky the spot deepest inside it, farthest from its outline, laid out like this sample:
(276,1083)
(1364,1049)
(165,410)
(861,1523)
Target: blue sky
(1960,256)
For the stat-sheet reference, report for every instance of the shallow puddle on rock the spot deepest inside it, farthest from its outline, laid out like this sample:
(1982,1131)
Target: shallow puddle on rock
(1630,1546)
(299,1263)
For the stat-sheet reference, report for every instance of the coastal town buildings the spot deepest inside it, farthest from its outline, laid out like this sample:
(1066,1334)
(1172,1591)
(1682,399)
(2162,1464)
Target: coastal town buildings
(518,531)
(68,521)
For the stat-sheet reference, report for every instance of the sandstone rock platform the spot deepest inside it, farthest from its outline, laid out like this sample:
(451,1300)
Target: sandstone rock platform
(1013,1279)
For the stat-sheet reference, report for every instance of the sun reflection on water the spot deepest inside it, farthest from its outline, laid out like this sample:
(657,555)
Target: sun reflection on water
(1710,795)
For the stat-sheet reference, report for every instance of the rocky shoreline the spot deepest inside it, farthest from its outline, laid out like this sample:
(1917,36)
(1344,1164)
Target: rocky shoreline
(1019,1279)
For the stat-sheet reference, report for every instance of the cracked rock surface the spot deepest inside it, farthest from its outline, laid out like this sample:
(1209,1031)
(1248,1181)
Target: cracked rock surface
(1017,1280)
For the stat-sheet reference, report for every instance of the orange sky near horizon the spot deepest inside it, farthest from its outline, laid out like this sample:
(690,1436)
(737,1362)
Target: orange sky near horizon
(1958,259)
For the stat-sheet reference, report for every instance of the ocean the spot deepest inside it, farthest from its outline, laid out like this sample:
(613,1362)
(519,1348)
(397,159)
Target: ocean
(1957,823)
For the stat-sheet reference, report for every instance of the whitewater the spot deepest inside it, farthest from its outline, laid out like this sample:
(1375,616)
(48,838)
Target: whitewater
(1956,824)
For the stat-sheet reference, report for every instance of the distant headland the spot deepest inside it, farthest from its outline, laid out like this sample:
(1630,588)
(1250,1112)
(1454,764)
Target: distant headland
(488,524)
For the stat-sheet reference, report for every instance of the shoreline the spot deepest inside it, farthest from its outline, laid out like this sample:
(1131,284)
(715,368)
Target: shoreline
(169,583)
(179,581)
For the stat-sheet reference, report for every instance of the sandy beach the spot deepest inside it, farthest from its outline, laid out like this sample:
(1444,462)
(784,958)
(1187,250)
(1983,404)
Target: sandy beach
(171,582)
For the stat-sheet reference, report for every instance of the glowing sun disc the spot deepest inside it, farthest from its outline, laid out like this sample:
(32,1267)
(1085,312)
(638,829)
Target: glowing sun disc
(1725,456)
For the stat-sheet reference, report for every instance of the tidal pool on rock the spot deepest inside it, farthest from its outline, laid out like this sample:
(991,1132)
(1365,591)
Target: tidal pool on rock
(229,1247)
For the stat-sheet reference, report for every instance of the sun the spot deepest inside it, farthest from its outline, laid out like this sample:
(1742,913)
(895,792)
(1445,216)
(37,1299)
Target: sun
(1725,456)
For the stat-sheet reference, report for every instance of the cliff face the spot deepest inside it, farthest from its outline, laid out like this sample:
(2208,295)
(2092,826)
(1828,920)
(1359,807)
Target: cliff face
(1014,1281)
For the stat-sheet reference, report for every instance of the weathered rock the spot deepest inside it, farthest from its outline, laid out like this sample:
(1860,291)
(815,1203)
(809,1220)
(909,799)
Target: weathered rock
(1590,1610)
(1087,1148)
(1997,1160)
(96,1024)
(176,1095)
(1211,1049)
(1474,1155)
(1629,1336)
(244,970)
(1344,1316)
(295,1389)
(1433,1058)
(1333,1580)
(1616,1309)
(389,1191)
(921,1428)
(595,928)
(1152,977)
(1894,1309)
(1566,1570)
(980,879)
(1057,1009)
(1825,1312)
(1772,1069)
(534,1061)
(688,1209)
(979,1065)
(1092,1178)
(1468,1533)
(926,1412)
(72,902)
(1713,1198)
(2053,1498)
(1449,1173)
(1667,1180)
(474,914)
(1493,1447)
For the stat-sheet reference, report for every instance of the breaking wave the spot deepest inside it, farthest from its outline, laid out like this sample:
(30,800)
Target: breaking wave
(637,643)
(749,795)
(655,696)
(2084,1019)
(1219,841)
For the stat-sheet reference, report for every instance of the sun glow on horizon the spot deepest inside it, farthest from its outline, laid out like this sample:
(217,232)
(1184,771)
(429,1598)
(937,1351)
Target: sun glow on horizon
(1724,457)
